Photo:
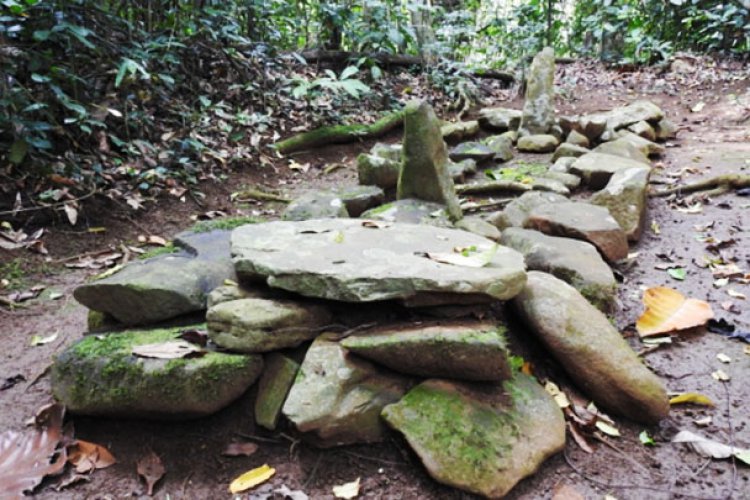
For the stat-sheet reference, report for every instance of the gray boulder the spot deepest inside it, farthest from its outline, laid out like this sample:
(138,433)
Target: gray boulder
(424,172)
(582,221)
(537,143)
(578,139)
(315,205)
(378,171)
(165,286)
(502,146)
(499,119)
(566,149)
(99,375)
(624,149)
(570,181)
(596,169)
(361,261)
(665,129)
(626,196)
(262,325)
(357,199)
(477,225)
(337,398)
(590,350)
(458,131)
(517,211)
(576,262)
(466,350)
(278,376)
(482,439)
(562,165)
(539,105)
(648,148)
(643,129)
(471,151)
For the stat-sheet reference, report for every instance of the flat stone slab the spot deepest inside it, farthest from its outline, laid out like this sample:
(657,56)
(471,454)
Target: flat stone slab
(576,262)
(410,211)
(582,221)
(337,398)
(315,205)
(517,211)
(99,375)
(466,350)
(480,438)
(362,261)
(597,168)
(471,151)
(591,350)
(165,286)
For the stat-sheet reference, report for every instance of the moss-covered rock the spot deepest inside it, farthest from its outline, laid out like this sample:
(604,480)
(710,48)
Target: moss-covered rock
(315,205)
(100,376)
(466,350)
(480,438)
(458,131)
(499,119)
(517,211)
(590,350)
(537,143)
(357,199)
(424,172)
(337,398)
(278,376)
(471,151)
(378,171)
(262,325)
(501,145)
(577,139)
(568,149)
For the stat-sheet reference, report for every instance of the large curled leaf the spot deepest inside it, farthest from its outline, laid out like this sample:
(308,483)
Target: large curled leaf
(26,458)
(667,310)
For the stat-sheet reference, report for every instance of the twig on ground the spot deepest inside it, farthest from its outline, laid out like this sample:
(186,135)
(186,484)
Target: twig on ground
(714,185)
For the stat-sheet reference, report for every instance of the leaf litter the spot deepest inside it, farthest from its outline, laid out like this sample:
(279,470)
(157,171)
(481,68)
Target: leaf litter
(667,310)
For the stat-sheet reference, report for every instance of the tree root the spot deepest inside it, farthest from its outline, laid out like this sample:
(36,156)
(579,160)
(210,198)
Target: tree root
(339,134)
(714,185)
(492,187)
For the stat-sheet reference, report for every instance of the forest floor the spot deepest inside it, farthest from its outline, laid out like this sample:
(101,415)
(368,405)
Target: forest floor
(714,138)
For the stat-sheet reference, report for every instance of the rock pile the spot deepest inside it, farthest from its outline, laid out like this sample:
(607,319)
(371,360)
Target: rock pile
(354,326)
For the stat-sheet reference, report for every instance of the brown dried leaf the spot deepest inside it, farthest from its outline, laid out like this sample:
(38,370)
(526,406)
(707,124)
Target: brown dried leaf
(151,469)
(667,310)
(240,449)
(87,457)
(25,457)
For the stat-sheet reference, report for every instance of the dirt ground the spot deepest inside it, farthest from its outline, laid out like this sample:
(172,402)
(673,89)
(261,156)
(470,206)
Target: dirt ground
(711,141)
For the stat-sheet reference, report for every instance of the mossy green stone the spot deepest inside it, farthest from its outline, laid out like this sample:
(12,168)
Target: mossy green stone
(278,376)
(480,438)
(99,375)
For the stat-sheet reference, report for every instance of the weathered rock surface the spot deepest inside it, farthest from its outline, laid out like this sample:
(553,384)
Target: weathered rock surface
(410,211)
(499,119)
(545,183)
(467,350)
(517,211)
(644,130)
(99,375)
(589,348)
(502,146)
(624,149)
(570,181)
(388,151)
(481,438)
(459,171)
(539,106)
(537,143)
(582,221)
(278,376)
(262,325)
(596,169)
(567,149)
(165,286)
(665,129)
(624,116)
(578,139)
(378,171)
(626,196)
(576,262)
(315,205)
(562,165)
(471,151)
(357,199)
(424,171)
(648,148)
(477,225)
(338,398)
(454,132)
(343,259)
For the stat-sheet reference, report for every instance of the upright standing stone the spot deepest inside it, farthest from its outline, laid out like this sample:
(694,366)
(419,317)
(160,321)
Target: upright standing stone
(424,172)
(539,108)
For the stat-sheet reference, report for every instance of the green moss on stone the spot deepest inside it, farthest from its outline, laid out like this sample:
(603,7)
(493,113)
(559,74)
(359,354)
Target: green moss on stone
(225,223)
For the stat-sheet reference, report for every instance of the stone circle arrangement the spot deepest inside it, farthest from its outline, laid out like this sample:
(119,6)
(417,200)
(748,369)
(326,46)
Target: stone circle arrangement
(353,317)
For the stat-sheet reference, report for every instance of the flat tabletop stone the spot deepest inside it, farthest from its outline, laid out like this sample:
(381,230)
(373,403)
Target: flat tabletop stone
(361,261)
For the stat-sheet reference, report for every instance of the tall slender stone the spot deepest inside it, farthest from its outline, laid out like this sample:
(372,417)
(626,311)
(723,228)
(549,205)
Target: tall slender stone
(539,108)
(424,172)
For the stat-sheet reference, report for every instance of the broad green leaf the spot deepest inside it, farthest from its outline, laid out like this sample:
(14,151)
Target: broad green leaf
(18,151)
(678,273)
(348,71)
(646,439)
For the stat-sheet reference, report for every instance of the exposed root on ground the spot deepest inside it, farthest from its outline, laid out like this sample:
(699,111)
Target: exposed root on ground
(714,185)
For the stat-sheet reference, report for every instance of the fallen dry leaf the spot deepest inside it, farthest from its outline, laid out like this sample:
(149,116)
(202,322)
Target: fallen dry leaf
(709,448)
(691,397)
(347,491)
(251,478)
(240,449)
(26,458)
(174,349)
(151,469)
(667,310)
(559,396)
(86,456)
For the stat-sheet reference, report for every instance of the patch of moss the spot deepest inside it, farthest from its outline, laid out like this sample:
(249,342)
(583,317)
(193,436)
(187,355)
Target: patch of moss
(155,251)
(520,172)
(225,223)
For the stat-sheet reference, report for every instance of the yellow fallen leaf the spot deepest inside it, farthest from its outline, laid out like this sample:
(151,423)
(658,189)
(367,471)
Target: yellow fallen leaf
(559,396)
(667,310)
(252,478)
(607,429)
(691,397)
(348,490)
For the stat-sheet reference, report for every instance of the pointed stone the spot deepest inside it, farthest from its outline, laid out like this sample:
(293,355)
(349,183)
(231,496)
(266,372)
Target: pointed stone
(468,350)
(261,325)
(591,350)
(337,398)
(576,262)
(626,196)
(582,221)
(539,105)
(480,438)
(424,172)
